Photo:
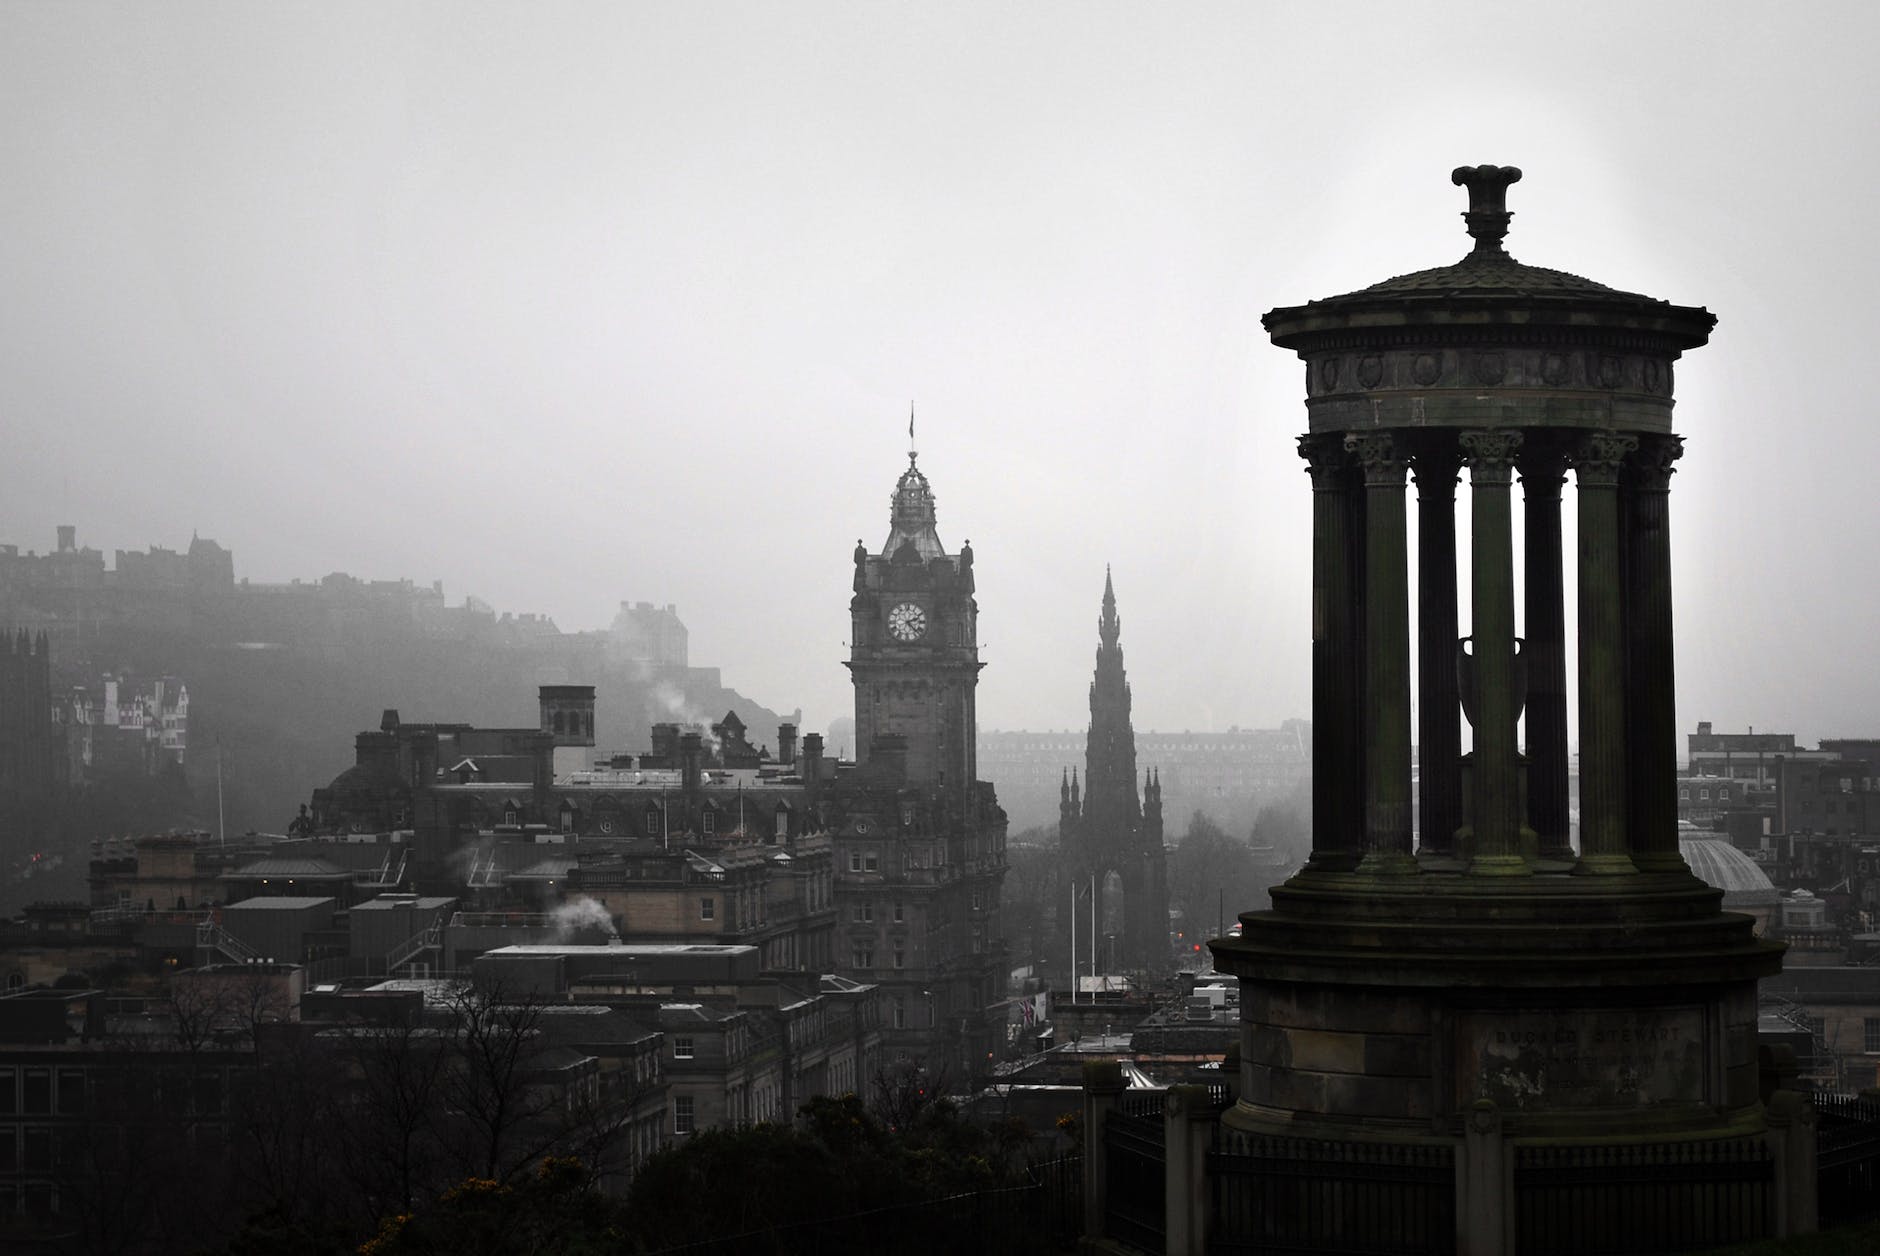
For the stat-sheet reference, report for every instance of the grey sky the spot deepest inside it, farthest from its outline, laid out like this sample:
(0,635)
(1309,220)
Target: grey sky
(568,304)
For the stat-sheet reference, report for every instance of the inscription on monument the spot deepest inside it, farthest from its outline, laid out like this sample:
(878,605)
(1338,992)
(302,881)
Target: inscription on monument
(1536,1058)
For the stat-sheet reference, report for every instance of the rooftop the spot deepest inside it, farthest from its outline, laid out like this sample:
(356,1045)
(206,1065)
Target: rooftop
(1722,866)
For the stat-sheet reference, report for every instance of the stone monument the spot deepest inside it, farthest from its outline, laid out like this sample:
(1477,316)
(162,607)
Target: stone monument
(1451,973)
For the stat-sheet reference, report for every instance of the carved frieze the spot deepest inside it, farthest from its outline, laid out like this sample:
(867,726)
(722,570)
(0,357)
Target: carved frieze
(1514,366)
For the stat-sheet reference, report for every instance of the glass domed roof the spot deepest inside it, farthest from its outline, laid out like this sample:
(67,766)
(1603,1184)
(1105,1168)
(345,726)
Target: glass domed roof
(1722,866)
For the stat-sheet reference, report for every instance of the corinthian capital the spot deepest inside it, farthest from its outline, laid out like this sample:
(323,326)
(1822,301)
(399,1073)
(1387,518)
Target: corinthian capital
(1650,466)
(1597,459)
(1326,462)
(1378,455)
(1490,455)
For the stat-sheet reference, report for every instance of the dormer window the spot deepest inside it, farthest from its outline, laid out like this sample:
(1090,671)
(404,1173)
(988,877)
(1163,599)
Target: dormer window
(652,821)
(708,821)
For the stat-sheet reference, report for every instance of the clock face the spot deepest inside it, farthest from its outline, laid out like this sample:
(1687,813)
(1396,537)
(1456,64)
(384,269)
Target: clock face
(907,622)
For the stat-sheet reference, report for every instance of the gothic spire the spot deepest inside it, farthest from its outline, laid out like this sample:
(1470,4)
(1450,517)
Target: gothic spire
(1110,754)
(1109,627)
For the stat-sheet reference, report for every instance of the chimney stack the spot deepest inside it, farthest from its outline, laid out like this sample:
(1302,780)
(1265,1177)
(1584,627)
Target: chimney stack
(786,744)
(812,764)
(690,755)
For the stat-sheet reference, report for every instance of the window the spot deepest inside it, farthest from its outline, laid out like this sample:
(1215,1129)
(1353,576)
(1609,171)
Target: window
(1871,1035)
(1724,793)
(567,820)
(682,1114)
(708,821)
(864,913)
(652,822)
(1704,794)
(900,913)
(1684,794)
(38,1092)
(682,1047)
(38,1150)
(900,1014)
(71,1092)
(855,861)
(862,955)
(707,909)
(869,862)
(900,956)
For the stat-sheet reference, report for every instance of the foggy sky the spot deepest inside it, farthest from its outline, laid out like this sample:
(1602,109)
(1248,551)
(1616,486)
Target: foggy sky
(569,304)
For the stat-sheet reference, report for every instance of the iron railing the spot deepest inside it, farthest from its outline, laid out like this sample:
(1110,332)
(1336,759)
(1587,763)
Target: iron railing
(1847,1149)
(1642,1197)
(1278,1194)
(1134,1186)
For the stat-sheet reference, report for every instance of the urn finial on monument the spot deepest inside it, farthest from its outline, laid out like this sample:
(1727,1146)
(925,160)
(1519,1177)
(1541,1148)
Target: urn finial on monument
(1488,214)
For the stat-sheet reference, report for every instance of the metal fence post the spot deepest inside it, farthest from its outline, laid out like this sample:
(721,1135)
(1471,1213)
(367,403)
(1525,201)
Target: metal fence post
(1103,1086)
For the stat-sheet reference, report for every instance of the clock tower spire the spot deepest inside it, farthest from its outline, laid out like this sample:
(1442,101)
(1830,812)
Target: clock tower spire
(914,649)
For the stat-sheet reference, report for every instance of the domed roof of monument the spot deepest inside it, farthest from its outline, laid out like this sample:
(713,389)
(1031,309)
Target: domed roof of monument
(1488,276)
(1718,864)
(1483,273)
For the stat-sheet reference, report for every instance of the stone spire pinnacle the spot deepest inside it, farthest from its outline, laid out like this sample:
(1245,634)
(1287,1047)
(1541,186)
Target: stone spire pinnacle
(1109,627)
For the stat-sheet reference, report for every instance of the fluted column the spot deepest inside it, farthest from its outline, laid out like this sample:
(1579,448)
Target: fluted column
(1602,656)
(1439,711)
(1651,714)
(1336,814)
(1495,805)
(1386,657)
(1542,474)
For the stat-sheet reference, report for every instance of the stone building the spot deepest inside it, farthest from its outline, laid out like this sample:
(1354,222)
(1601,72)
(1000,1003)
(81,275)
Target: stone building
(887,870)
(127,724)
(1108,836)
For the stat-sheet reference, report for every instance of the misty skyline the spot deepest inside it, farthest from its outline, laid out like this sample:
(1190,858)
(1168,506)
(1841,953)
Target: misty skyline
(564,305)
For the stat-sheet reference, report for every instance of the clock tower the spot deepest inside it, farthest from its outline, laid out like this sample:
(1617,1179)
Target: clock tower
(914,649)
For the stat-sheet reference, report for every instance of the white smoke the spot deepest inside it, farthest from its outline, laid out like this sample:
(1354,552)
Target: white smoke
(582,915)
